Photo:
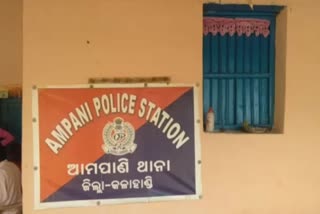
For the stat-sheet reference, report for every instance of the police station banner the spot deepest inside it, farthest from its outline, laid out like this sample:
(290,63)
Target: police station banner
(115,144)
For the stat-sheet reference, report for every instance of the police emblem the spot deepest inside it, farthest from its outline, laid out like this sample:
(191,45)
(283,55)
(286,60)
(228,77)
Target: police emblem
(118,137)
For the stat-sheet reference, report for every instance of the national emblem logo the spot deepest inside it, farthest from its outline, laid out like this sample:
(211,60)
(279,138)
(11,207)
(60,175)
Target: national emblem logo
(118,137)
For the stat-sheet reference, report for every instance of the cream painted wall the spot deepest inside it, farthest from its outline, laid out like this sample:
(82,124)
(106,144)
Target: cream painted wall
(242,173)
(10,42)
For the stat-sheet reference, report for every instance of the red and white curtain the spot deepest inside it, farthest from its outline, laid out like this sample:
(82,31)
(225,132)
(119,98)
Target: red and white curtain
(239,26)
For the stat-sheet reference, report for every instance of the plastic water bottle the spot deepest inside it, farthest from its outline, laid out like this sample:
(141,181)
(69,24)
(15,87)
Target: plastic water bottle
(210,120)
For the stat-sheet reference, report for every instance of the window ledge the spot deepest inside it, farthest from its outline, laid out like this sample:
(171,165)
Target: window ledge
(235,132)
